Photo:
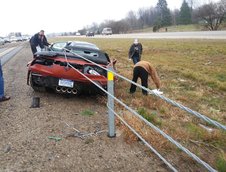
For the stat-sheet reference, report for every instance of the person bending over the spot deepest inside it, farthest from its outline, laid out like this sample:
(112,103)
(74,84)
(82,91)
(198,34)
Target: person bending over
(39,39)
(141,70)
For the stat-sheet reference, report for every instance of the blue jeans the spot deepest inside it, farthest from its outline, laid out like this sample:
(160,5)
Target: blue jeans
(135,59)
(1,82)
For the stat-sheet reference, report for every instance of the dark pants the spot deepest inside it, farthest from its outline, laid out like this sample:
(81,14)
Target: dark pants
(139,72)
(33,49)
(135,59)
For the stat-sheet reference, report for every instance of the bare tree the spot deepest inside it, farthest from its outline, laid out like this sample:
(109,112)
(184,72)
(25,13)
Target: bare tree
(175,17)
(212,14)
(120,26)
(147,16)
(142,15)
(132,20)
(223,2)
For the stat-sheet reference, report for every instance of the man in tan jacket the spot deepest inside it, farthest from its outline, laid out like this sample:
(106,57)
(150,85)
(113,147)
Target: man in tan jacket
(141,70)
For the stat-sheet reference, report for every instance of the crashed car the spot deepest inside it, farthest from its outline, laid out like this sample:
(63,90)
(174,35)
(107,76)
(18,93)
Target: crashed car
(51,70)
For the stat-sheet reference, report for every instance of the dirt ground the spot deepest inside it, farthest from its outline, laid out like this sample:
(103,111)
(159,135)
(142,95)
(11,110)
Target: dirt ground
(28,136)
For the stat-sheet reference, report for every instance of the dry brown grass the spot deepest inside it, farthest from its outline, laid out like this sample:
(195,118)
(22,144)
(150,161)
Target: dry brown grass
(192,73)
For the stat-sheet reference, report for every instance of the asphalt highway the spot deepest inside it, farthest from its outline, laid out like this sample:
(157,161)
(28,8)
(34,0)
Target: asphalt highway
(171,35)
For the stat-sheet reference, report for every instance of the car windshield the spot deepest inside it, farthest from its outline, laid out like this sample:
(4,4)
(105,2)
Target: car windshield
(83,44)
(58,46)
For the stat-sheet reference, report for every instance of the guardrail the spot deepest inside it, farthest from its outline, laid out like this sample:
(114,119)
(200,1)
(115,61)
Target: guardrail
(6,57)
(112,113)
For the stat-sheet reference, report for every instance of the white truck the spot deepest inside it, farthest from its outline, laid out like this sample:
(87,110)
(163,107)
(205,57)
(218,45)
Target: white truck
(107,31)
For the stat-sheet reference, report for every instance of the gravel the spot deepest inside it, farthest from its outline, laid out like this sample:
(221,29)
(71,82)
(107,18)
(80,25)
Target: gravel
(41,139)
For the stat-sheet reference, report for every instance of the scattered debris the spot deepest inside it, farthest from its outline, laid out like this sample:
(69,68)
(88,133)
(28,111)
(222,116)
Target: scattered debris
(7,148)
(206,128)
(181,80)
(83,135)
(35,102)
(212,110)
(208,63)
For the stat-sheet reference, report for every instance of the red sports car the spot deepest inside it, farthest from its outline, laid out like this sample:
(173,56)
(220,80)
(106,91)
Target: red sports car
(50,69)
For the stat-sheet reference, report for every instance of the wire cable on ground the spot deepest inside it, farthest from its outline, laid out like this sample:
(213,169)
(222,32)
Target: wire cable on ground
(144,141)
(197,114)
(207,166)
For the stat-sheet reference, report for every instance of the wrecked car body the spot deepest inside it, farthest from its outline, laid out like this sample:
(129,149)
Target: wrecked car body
(50,69)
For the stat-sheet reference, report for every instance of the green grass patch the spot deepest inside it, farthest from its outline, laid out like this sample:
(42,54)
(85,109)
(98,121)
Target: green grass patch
(195,131)
(221,164)
(87,112)
(151,117)
(221,77)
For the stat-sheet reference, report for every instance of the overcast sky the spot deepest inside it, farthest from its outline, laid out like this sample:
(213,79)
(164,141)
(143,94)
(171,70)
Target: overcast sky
(30,16)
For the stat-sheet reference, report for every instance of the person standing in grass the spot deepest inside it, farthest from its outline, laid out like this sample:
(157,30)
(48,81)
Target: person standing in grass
(141,70)
(135,51)
(2,95)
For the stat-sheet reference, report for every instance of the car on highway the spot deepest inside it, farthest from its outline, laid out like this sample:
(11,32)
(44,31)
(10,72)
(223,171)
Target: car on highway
(2,41)
(7,39)
(89,33)
(50,70)
(107,31)
(25,38)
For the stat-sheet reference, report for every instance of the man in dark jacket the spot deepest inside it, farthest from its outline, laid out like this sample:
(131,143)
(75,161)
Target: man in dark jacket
(38,39)
(135,51)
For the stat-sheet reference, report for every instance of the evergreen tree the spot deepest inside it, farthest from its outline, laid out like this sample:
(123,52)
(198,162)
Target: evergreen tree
(185,13)
(164,16)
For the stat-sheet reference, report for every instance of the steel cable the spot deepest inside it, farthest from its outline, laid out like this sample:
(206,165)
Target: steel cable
(197,114)
(144,141)
(207,166)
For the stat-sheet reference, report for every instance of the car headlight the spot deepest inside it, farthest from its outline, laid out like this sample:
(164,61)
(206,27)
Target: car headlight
(90,70)
(93,72)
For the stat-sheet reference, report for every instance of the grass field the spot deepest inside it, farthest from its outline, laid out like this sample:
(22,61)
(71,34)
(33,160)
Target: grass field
(193,73)
(182,28)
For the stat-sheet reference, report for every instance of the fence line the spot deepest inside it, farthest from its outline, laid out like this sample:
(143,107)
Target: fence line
(145,142)
(207,166)
(168,164)
(197,114)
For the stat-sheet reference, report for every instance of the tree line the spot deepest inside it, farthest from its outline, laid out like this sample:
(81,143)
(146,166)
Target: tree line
(210,15)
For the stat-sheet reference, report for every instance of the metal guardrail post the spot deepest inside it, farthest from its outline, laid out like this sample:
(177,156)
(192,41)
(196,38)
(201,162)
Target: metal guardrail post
(111,116)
